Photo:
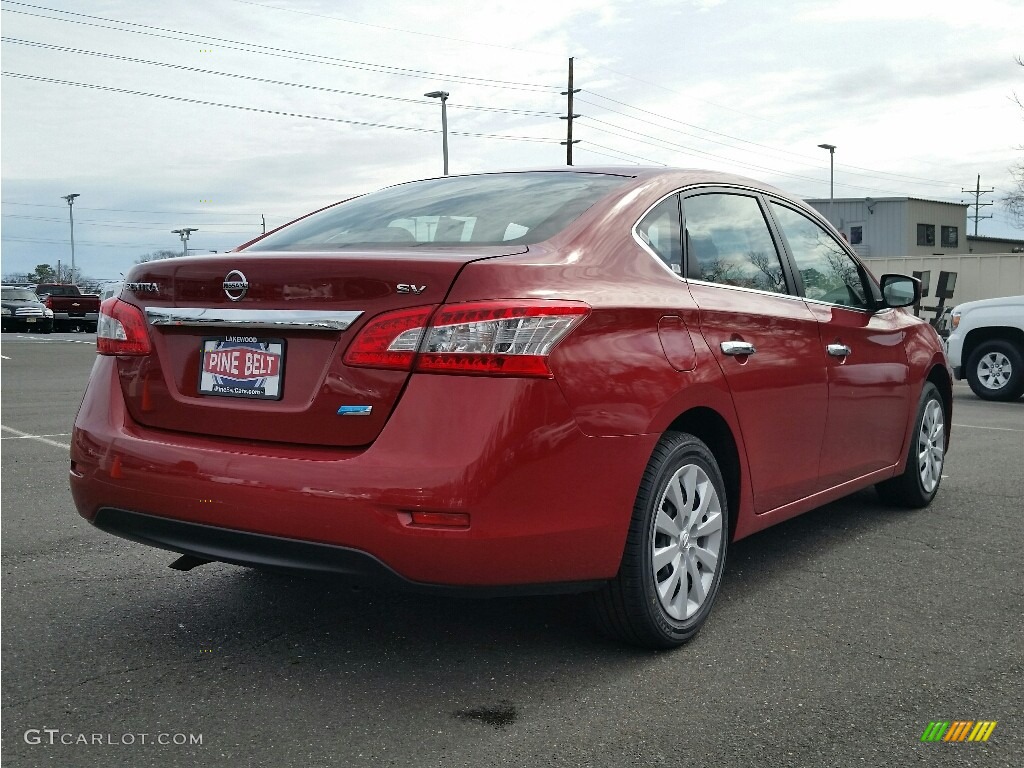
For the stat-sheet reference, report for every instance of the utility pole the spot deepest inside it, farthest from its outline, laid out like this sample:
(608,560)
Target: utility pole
(568,117)
(831,179)
(71,217)
(264,219)
(183,233)
(978,192)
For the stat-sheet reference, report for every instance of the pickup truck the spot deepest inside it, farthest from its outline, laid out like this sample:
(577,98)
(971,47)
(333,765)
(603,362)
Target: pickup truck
(986,346)
(71,308)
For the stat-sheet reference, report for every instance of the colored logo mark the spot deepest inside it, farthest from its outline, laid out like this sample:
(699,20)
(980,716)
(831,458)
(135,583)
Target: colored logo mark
(958,730)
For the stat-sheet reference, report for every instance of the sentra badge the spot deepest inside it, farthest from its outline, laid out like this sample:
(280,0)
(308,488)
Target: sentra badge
(143,287)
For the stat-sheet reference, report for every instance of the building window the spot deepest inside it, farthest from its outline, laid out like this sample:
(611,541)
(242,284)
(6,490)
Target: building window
(926,234)
(856,234)
(950,237)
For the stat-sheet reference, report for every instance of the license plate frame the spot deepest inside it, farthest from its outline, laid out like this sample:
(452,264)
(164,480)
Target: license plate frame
(231,366)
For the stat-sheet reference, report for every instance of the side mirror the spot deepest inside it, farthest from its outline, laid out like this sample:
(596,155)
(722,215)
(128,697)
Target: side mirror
(900,290)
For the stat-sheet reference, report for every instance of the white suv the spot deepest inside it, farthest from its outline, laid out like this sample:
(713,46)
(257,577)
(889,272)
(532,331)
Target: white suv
(986,347)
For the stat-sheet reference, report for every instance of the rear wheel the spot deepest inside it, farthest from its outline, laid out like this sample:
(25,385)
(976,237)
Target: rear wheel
(996,371)
(919,483)
(675,549)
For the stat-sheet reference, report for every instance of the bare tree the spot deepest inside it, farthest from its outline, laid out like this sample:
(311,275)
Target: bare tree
(1013,200)
(770,268)
(162,254)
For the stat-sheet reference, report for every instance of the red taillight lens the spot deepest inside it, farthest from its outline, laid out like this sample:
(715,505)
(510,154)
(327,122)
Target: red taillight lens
(389,340)
(488,338)
(121,329)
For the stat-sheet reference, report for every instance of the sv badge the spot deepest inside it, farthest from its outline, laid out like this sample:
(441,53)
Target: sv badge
(408,288)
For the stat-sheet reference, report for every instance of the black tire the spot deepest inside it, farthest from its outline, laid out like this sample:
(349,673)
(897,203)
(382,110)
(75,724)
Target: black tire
(630,607)
(996,371)
(921,478)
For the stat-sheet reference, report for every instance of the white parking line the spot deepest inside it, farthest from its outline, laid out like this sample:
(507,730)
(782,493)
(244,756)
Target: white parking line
(40,438)
(997,429)
(5,357)
(35,340)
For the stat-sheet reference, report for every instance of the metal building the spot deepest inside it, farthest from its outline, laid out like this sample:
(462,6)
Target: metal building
(885,227)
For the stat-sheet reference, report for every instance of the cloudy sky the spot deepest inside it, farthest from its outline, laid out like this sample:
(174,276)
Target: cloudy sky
(215,113)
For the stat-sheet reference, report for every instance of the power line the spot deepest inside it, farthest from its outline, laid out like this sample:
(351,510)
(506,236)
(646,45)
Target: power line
(273,51)
(391,29)
(622,152)
(876,173)
(672,146)
(125,210)
(251,78)
(359,123)
(104,244)
(152,225)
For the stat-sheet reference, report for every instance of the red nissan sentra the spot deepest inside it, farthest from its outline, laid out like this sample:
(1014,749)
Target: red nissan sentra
(536,381)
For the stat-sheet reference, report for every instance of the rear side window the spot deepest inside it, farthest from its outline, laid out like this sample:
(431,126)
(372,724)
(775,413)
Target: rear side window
(489,209)
(827,271)
(660,230)
(728,242)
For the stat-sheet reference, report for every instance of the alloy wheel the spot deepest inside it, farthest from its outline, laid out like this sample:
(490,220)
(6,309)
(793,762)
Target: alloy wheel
(686,542)
(994,370)
(931,442)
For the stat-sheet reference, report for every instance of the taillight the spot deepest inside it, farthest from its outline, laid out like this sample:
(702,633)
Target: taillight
(488,338)
(121,329)
(389,340)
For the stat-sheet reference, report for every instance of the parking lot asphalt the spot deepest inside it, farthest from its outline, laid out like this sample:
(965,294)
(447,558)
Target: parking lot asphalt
(837,638)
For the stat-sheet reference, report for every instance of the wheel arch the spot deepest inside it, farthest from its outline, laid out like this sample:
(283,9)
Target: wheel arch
(979,336)
(939,376)
(710,427)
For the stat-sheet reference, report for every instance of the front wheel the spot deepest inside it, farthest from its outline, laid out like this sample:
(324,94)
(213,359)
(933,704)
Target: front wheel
(675,550)
(996,371)
(919,483)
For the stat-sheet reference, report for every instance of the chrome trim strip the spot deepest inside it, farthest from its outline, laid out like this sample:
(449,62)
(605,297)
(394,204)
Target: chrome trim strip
(274,319)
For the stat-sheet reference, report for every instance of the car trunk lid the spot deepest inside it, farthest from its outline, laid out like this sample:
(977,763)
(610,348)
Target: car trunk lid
(250,346)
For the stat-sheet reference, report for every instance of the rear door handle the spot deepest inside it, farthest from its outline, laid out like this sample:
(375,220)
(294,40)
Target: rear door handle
(838,350)
(737,348)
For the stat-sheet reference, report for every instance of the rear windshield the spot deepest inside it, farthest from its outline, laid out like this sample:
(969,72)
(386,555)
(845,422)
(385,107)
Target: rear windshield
(19,294)
(489,209)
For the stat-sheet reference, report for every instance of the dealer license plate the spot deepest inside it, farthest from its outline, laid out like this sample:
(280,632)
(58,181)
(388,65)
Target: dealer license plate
(242,366)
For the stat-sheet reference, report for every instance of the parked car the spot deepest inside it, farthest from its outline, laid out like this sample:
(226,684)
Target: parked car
(22,311)
(986,346)
(572,380)
(71,308)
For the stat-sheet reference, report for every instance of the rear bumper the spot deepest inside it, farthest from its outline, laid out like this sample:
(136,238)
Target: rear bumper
(273,552)
(546,503)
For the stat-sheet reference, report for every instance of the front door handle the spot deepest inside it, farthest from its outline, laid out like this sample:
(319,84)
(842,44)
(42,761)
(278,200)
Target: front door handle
(838,350)
(737,348)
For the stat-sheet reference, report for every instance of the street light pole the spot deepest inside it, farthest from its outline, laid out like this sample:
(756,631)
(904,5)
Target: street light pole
(831,177)
(71,218)
(443,96)
(183,233)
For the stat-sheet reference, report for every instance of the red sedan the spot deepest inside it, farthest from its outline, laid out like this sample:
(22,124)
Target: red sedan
(536,381)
